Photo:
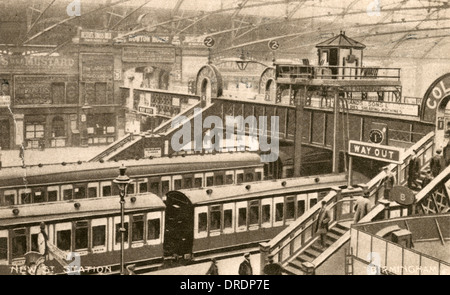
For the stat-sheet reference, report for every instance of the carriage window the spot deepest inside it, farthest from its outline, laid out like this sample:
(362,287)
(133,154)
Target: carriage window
(80,192)
(34,243)
(242,217)
(3,248)
(8,199)
(188,183)
(92,192)
(118,234)
(229,179)
(239,178)
(81,235)
(137,228)
(312,202)
(290,208)
(26,198)
(19,243)
(154,187)
(249,177)
(165,187)
(98,235)
(198,182)
(52,196)
(177,184)
(279,211)
(209,181)
(254,212)
(219,179)
(202,221)
(106,191)
(67,194)
(266,213)
(215,218)
(153,229)
(39,197)
(130,189)
(227,218)
(300,208)
(258,176)
(143,187)
(63,239)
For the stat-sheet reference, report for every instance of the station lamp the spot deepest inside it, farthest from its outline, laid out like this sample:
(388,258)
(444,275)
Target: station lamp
(122,182)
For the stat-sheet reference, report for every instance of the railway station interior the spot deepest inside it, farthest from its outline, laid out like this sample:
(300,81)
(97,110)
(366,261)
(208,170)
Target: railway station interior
(292,137)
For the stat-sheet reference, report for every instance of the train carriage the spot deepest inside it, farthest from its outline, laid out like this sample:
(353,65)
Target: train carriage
(223,218)
(89,228)
(51,183)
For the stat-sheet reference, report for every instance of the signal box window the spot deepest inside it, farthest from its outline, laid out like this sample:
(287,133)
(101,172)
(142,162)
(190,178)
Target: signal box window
(242,220)
(215,218)
(3,248)
(137,228)
(202,222)
(98,235)
(153,230)
(119,235)
(279,211)
(265,213)
(227,218)
(209,181)
(254,212)
(64,239)
(198,182)
(81,235)
(19,243)
(290,208)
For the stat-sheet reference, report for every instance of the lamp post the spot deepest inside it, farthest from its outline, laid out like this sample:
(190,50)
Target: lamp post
(122,182)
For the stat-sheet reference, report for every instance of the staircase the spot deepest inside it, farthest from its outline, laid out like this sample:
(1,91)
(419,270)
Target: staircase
(295,266)
(113,147)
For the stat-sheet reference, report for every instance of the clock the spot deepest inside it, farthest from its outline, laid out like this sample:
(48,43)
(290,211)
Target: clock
(376,136)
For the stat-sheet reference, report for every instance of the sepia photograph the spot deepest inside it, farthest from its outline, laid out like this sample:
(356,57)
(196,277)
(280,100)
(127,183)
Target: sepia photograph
(224,137)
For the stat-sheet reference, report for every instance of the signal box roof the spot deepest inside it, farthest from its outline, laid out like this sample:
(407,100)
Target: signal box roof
(341,41)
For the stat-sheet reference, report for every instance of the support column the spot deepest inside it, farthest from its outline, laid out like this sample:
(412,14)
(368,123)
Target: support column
(350,172)
(264,252)
(335,131)
(298,138)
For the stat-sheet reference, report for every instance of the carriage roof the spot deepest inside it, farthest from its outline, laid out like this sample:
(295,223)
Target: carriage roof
(250,190)
(36,213)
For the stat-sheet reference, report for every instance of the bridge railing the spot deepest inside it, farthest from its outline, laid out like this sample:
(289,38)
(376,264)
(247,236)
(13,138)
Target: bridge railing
(166,126)
(301,233)
(113,147)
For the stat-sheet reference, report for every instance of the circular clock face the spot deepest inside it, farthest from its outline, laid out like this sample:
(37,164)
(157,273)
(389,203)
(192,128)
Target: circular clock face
(376,136)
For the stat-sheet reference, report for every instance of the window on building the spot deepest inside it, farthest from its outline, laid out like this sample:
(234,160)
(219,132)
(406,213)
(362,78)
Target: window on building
(58,93)
(58,128)
(98,235)
(227,218)
(118,233)
(64,239)
(19,243)
(153,229)
(202,221)
(254,213)
(81,235)
(215,218)
(34,130)
(279,211)
(100,93)
(137,228)
(242,217)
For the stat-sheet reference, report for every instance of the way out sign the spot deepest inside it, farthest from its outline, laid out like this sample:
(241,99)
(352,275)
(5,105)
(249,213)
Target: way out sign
(375,151)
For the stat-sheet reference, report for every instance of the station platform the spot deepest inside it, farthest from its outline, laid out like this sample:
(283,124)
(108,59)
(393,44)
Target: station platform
(11,158)
(227,266)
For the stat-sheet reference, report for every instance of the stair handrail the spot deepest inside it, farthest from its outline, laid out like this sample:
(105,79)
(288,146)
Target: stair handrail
(166,125)
(444,175)
(112,147)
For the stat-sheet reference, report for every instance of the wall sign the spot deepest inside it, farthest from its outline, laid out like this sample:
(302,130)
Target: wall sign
(148,54)
(375,151)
